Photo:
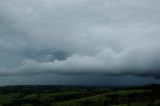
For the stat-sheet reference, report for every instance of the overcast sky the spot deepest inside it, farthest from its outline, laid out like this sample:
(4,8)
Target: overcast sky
(79,42)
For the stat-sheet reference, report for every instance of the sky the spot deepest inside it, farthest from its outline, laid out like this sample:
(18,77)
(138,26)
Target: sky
(79,42)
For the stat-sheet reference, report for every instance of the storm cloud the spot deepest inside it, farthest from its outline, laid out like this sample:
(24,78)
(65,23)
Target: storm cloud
(73,37)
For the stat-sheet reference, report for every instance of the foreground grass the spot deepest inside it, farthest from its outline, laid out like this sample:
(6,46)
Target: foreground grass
(112,98)
(62,96)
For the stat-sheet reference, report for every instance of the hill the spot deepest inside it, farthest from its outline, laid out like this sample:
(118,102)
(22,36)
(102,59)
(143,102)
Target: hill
(59,95)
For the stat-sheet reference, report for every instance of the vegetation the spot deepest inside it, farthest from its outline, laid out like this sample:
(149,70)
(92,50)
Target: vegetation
(79,96)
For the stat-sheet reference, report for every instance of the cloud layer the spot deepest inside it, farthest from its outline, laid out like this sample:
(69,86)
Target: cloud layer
(109,37)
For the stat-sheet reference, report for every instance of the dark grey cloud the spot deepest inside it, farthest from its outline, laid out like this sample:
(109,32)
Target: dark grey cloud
(87,80)
(75,37)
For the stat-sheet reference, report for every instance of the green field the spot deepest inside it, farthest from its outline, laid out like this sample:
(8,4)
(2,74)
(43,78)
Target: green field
(79,96)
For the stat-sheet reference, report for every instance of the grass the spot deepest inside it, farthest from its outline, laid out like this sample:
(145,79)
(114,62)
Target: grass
(79,96)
